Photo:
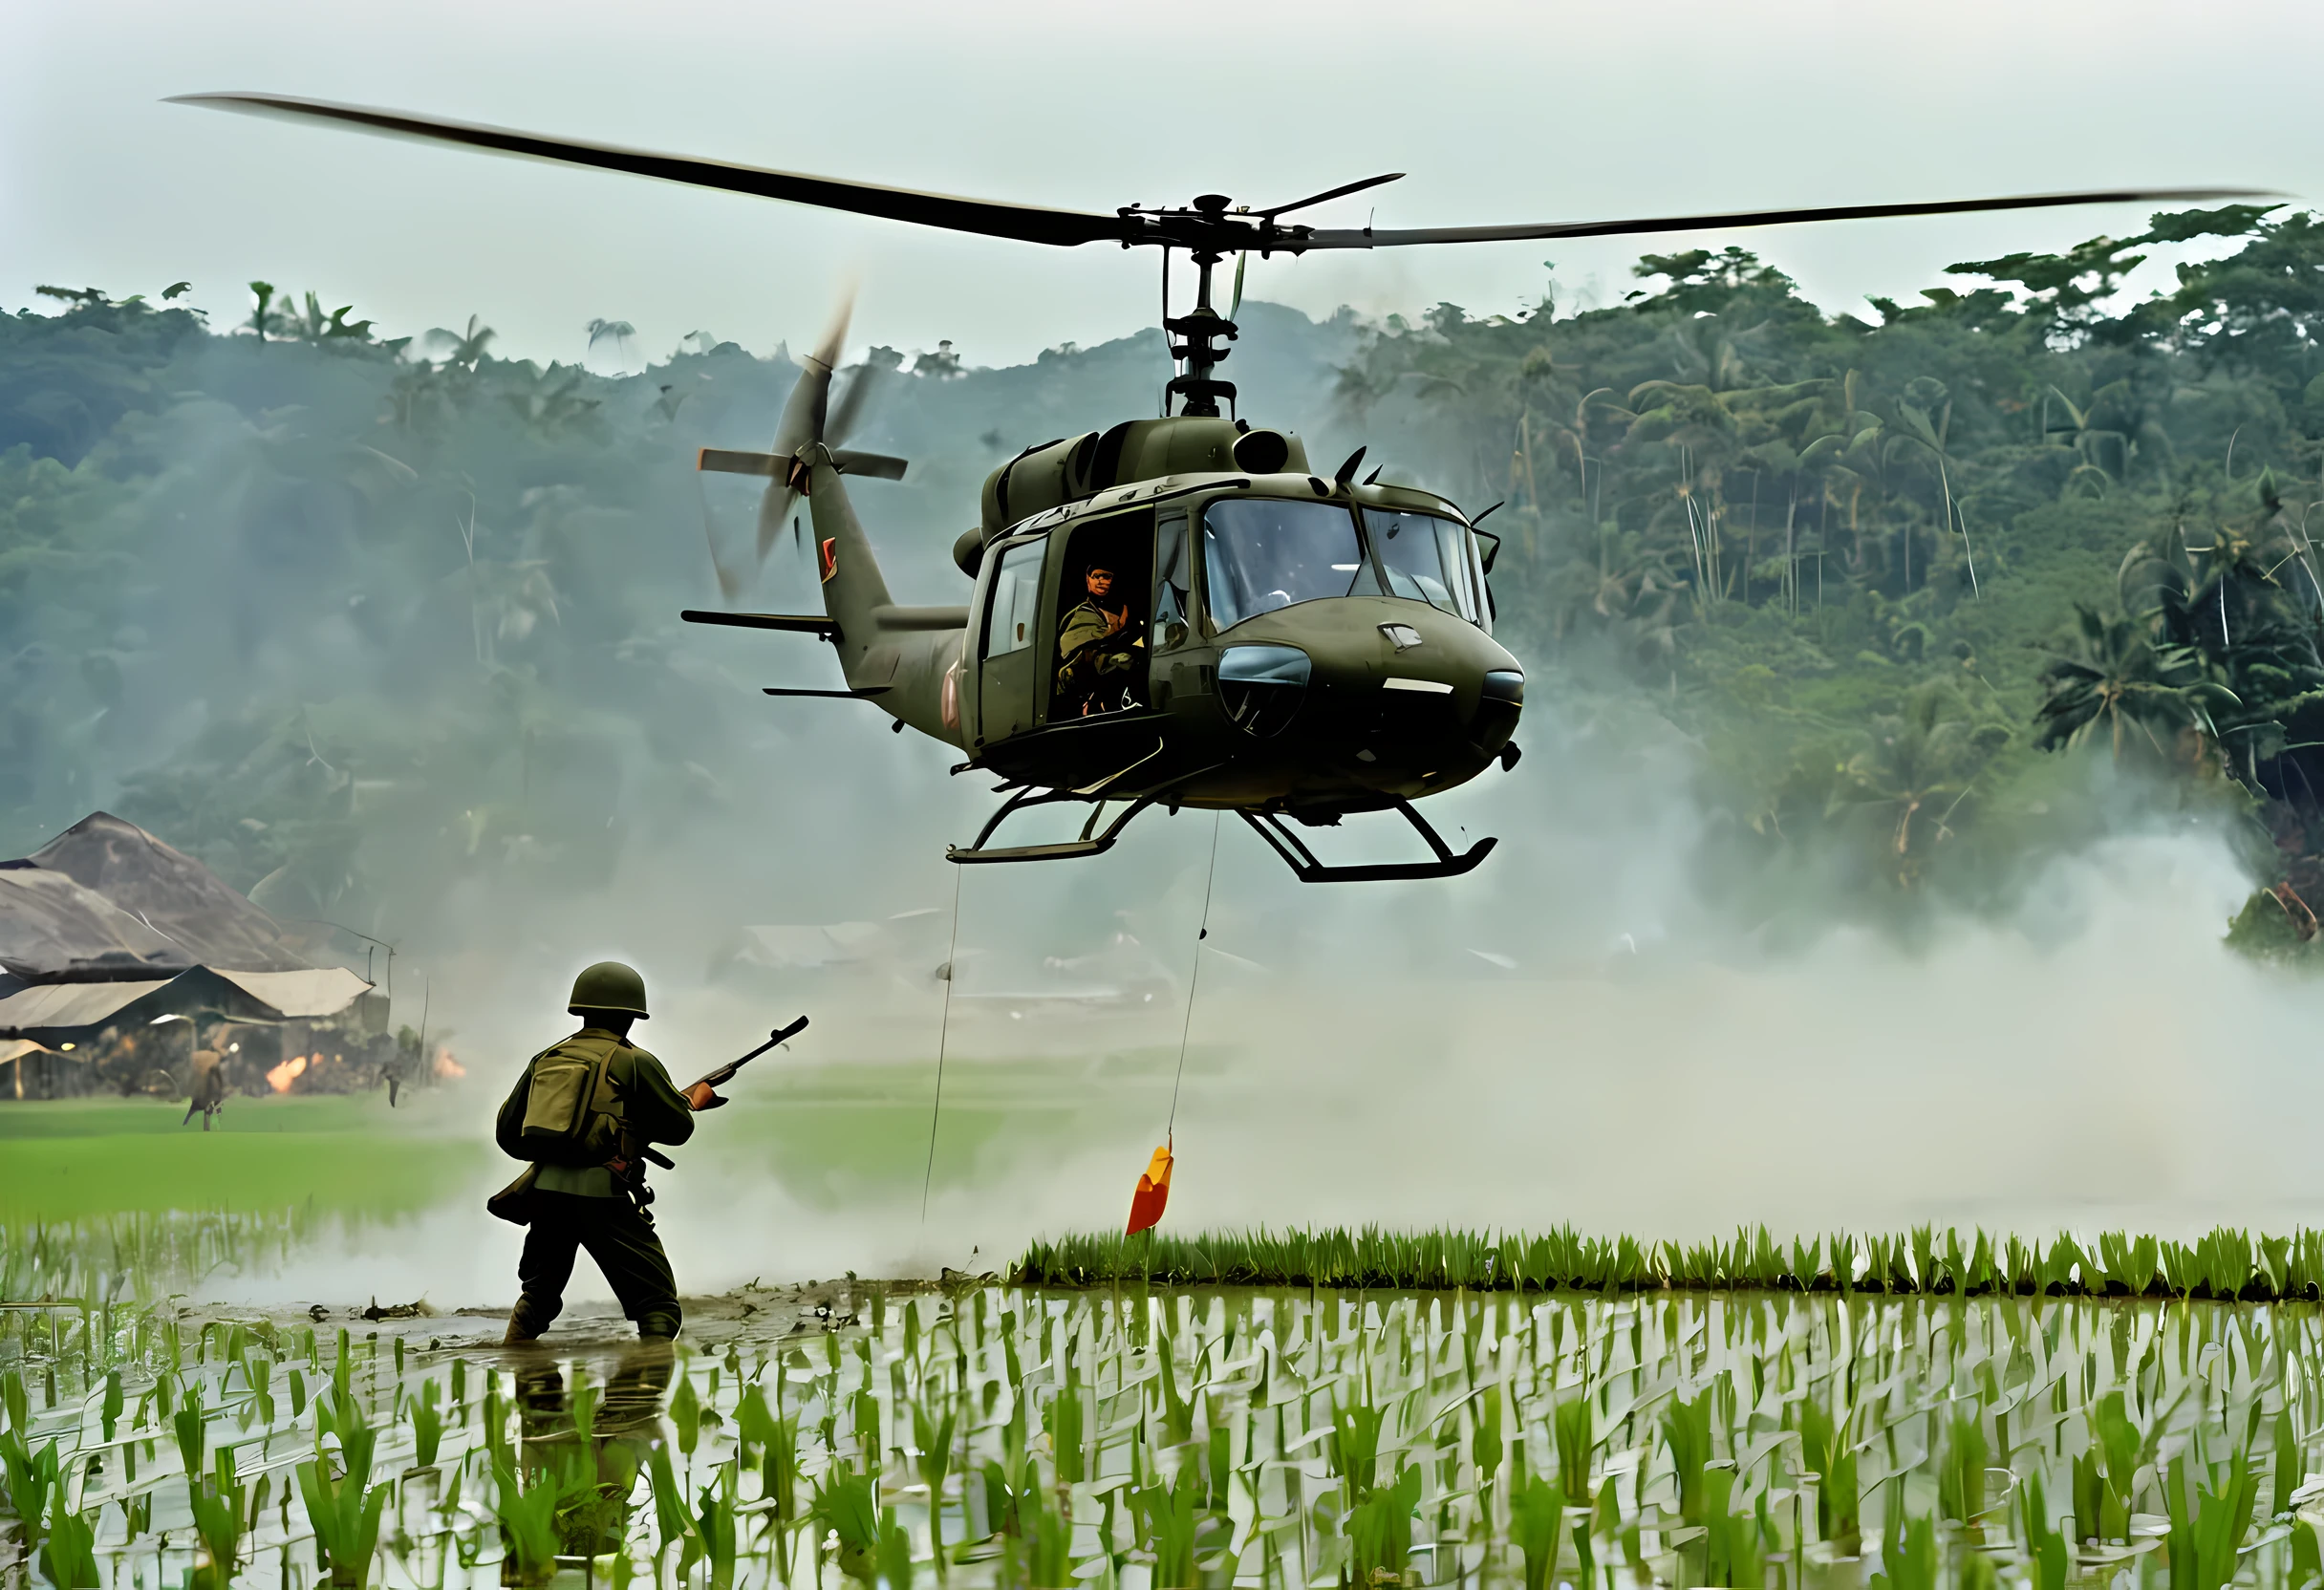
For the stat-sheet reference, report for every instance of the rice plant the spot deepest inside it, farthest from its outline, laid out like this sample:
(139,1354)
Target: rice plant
(2225,1264)
(1947,1410)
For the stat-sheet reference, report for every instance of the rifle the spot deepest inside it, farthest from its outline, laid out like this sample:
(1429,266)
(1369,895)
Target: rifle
(647,1152)
(725,1072)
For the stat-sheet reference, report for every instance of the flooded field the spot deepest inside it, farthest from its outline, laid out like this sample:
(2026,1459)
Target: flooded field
(980,1433)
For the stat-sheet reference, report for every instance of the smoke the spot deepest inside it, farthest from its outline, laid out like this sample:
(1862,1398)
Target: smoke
(1568,1036)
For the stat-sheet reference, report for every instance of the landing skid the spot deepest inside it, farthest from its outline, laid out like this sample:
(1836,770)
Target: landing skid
(1094,840)
(1097,841)
(1301,860)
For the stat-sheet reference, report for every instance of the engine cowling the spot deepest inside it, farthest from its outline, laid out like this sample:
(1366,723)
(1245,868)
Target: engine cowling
(1072,468)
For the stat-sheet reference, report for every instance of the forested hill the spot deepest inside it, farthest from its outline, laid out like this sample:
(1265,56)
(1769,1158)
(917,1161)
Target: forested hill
(358,620)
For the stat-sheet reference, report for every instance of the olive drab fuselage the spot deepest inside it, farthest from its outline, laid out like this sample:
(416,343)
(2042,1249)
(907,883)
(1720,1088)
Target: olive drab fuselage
(1400,698)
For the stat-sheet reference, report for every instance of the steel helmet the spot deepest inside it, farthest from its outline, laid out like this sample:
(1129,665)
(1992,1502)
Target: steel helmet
(609,986)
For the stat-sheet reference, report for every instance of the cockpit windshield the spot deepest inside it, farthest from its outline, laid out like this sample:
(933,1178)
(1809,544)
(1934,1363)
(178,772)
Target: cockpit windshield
(1261,553)
(1427,559)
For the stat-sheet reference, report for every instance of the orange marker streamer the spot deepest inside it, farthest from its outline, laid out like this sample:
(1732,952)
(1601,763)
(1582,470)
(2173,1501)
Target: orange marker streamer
(1147,1203)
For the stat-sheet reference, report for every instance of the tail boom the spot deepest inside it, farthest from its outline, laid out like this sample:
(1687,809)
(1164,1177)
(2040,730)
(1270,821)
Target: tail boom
(913,657)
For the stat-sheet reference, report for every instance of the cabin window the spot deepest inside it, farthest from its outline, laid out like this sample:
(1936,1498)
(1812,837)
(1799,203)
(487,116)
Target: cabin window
(1264,554)
(1016,606)
(1425,559)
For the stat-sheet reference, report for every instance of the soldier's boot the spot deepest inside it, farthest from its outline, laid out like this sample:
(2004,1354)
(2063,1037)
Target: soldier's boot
(521,1332)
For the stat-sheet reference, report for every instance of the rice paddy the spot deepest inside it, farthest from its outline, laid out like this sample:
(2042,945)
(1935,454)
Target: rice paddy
(1637,1424)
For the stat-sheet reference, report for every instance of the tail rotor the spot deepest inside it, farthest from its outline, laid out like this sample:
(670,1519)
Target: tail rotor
(808,416)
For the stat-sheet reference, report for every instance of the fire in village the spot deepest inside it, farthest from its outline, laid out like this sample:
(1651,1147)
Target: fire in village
(132,969)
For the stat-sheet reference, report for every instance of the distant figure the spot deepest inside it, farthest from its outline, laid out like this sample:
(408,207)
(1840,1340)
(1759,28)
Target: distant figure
(1100,644)
(209,1087)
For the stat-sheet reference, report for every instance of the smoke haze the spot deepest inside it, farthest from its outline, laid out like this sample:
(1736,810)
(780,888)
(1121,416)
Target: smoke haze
(457,677)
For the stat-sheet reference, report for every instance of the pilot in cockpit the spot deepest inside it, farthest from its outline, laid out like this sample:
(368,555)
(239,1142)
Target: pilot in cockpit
(1101,651)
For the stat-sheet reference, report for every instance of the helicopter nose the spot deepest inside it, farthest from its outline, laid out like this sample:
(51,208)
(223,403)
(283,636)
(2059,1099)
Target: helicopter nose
(1448,698)
(1500,700)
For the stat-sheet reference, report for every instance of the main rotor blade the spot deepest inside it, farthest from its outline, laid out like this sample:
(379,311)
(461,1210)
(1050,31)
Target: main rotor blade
(1352,238)
(989,217)
(1340,192)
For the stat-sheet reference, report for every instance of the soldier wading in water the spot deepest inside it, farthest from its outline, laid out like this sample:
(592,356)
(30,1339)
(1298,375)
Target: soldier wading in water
(585,1112)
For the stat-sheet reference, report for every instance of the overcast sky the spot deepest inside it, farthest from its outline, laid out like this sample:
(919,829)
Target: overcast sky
(1499,111)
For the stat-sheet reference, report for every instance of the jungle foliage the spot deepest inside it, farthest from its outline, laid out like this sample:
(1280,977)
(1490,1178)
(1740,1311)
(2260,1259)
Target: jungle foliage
(1884,569)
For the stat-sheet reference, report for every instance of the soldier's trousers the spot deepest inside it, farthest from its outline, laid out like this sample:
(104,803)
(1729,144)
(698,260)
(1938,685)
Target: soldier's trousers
(626,1249)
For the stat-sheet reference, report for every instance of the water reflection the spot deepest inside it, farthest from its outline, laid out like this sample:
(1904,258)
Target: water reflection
(583,1444)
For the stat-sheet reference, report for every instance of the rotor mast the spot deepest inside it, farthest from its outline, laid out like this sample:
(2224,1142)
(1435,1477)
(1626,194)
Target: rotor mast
(1202,327)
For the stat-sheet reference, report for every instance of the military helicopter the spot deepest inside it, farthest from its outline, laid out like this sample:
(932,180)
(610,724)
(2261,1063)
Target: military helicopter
(1296,647)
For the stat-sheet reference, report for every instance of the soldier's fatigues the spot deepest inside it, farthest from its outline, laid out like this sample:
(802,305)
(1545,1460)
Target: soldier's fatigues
(579,1206)
(1096,662)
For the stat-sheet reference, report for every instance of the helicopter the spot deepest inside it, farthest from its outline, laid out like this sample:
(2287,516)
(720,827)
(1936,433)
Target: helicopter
(1291,645)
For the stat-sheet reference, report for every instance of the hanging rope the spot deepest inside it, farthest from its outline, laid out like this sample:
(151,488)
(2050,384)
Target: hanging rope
(1194,980)
(943,1036)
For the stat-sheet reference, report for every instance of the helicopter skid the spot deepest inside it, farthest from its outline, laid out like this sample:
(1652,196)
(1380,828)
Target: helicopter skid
(1092,842)
(1302,861)
(1267,825)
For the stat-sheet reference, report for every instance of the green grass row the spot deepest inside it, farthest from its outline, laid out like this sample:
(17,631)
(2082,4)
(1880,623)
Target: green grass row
(2226,1264)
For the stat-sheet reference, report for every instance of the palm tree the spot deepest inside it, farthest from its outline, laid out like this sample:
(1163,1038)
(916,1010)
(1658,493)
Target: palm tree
(316,326)
(2098,446)
(1925,761)
(1917,427)
(620,331)
(265,319)
(464,348)
(2128,686)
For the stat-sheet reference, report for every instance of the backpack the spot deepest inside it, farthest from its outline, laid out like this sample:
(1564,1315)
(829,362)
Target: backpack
(573,1110)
